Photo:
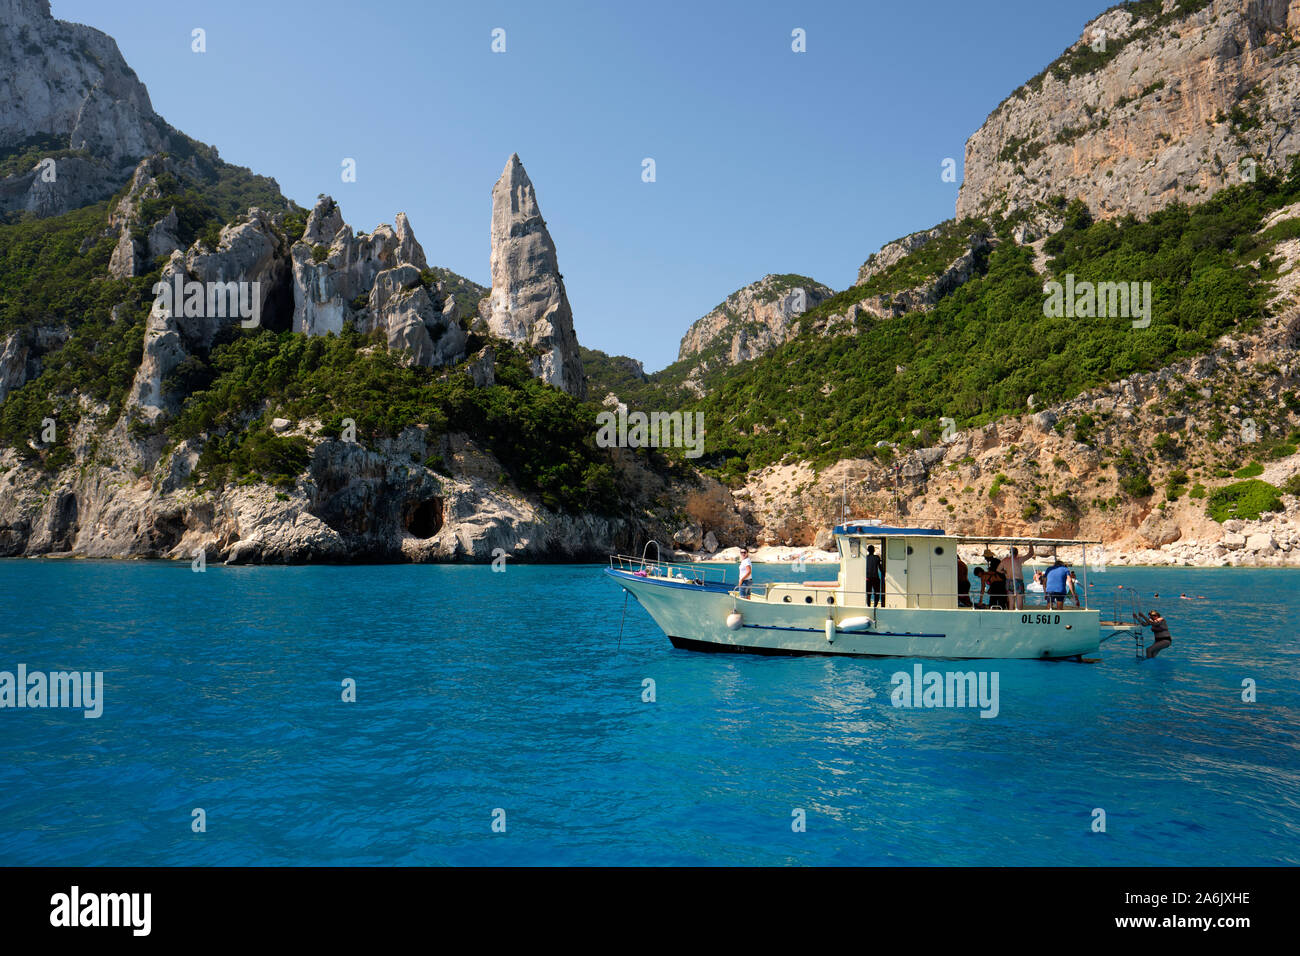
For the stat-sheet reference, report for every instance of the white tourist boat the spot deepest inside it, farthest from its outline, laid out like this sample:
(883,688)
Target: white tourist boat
(699,609)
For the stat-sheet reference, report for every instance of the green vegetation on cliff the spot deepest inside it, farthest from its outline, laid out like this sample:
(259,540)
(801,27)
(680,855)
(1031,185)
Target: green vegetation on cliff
(543,438)
(658,390)
(985,348)
(22,157)
(465,293)
(56,295)
(916,269)
(1245,500)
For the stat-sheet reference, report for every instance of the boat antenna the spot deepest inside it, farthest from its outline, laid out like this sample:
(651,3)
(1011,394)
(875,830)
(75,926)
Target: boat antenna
(895,470)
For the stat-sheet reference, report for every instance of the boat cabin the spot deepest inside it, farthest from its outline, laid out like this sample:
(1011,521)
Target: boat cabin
(919,565)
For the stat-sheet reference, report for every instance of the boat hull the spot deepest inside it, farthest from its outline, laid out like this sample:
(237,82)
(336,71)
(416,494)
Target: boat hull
(696,618)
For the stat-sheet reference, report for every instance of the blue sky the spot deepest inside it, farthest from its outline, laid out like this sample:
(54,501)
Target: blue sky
(766,160)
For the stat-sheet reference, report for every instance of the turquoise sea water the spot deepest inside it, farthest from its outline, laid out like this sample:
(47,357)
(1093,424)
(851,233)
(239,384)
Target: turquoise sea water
(478,691)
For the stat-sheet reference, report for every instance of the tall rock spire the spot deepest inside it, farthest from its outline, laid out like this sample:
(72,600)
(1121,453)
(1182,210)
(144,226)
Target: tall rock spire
(528,303)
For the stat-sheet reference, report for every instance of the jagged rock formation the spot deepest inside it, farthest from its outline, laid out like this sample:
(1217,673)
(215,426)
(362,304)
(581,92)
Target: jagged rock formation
(127,257)
(1169,110)
(69,95)
(162,239)
(249,253)
(528,303)
(131,255)
(400,307)
(13,363)
(116,486)
(891,253)
(371,281)
(753,320)
(21,351)
(375,282)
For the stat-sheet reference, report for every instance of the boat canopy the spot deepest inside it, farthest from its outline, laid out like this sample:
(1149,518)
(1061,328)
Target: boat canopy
(883,530)
(1028,539)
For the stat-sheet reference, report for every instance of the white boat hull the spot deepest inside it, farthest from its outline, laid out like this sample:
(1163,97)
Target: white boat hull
(695,617)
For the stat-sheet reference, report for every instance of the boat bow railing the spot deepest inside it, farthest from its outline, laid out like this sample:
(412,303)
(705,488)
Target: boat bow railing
(673,570)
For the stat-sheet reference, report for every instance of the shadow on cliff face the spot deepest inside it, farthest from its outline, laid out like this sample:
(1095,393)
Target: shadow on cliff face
(62,523)
(277,313)
(165,532)
(424,519)
(13,539)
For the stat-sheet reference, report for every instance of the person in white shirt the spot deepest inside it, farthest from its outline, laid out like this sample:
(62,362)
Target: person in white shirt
(746,572)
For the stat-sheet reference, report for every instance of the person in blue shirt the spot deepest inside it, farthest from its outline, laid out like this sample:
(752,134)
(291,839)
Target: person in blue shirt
(1056,585)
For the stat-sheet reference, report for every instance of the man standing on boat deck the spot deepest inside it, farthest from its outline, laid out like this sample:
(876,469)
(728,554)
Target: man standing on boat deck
(875,593)
(1014,568)
(1056,584)
(746,572)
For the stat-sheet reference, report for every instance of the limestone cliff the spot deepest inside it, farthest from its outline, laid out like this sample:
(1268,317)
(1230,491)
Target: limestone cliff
(353,503)
(68,97)
(750,321)
(1156,102)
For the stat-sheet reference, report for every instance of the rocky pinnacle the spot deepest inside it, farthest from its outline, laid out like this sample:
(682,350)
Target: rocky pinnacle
(528,304)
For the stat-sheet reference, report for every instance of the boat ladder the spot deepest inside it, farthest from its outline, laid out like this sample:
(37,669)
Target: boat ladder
(1128,604)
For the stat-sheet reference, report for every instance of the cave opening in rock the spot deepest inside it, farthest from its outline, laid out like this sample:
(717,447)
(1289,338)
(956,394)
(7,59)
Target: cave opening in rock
(425,519)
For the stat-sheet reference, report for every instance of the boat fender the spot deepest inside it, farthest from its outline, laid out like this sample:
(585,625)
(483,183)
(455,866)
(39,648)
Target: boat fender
(856,624)
(734,620)
(830,630)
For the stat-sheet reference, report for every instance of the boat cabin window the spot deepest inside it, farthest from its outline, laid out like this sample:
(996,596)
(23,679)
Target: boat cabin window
(854,547)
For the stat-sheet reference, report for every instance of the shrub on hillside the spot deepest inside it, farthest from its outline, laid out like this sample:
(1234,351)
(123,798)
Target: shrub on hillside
(1246,500)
